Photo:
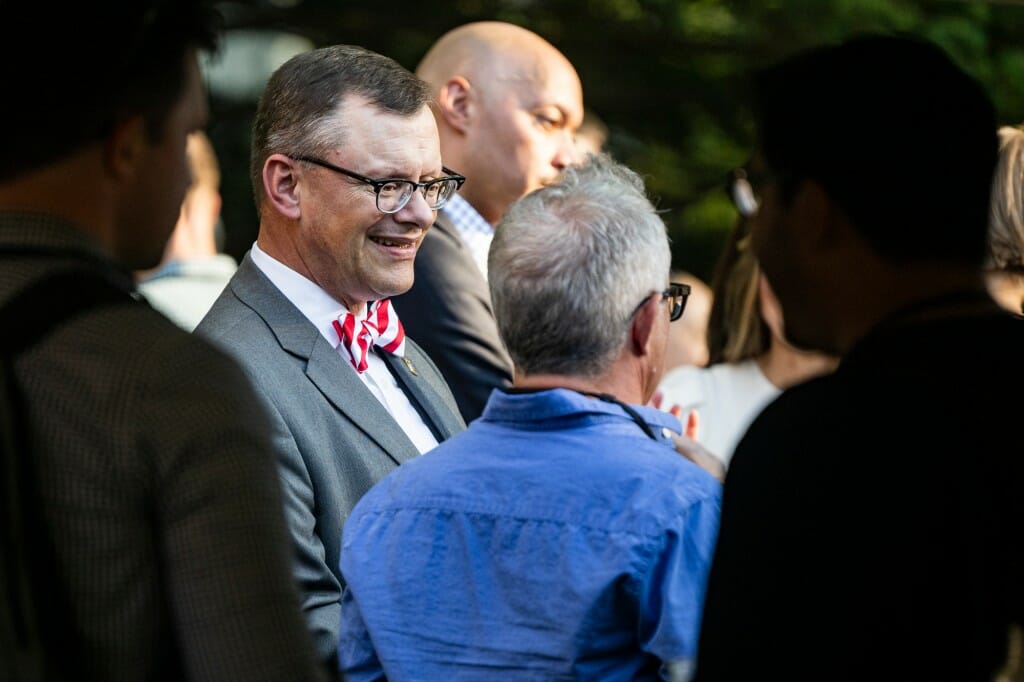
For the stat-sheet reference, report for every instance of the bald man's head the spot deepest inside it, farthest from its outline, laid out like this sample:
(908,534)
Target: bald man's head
(481,47)
(508,104)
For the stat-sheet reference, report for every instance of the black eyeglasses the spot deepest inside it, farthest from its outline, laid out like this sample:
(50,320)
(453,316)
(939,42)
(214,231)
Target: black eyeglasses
(742,184)
(676,295)
(394,193)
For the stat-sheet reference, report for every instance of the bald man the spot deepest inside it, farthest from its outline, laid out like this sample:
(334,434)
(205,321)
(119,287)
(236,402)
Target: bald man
(508,106)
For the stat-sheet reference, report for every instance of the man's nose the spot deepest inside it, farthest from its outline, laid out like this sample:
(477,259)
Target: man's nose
(417,211)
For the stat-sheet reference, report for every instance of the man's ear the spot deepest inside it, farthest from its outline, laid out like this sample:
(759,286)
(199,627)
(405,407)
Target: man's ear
(642,325)
(280,185)
(125,147)
(817,212)
(455,102)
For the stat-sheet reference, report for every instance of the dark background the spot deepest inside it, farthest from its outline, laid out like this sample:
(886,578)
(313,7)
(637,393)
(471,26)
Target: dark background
(668,77)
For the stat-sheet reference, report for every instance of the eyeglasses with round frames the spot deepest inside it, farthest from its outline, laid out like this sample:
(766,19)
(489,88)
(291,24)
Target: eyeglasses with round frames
(676,295)
(394,193)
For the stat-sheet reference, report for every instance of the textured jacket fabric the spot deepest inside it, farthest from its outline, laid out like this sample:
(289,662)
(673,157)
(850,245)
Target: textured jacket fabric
(551,540)
(873,521)
(333,437)
(448,312)
(157,488)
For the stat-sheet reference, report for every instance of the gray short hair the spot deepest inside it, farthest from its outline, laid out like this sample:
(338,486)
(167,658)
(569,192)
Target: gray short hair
(297,112)
(570,263)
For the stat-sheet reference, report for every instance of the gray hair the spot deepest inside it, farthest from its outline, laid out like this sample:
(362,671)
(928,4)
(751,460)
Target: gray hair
(570,263)
(298,110)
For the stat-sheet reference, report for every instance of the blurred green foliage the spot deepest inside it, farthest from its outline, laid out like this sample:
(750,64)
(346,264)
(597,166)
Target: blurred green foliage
(668,77)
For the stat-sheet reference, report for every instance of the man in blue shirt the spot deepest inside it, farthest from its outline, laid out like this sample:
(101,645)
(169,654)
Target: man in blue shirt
(560,536)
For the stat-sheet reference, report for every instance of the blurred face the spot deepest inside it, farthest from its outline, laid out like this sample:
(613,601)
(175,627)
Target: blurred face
(795,272)
(588,142)
(152,199)
(523,135)
(688,343)
(346,245)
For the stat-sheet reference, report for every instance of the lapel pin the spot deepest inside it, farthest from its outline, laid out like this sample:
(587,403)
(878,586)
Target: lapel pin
(408,365)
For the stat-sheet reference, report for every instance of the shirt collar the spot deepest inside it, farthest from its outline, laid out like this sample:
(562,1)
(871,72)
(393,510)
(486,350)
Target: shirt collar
(556,403)
(314,303)
(465,218)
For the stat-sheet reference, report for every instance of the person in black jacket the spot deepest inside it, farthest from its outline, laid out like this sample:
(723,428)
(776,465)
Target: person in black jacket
(872,522)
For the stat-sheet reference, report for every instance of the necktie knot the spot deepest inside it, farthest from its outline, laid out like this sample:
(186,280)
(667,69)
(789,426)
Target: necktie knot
(378,325)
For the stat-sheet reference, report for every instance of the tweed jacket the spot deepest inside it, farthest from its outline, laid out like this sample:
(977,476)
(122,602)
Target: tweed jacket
(334,439)
(157,488)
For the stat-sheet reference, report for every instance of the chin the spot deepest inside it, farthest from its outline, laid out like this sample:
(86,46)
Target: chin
(394,287)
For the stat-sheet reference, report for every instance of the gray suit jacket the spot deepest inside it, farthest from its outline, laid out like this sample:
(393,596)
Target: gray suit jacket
(334,438)
(448,311)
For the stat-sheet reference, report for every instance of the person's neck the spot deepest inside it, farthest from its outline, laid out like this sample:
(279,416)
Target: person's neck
(607,385)
(784,366)
(490,213)
(893,291)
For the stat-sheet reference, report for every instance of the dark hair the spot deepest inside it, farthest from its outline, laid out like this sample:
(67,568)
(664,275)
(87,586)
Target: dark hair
(902,140)
(296,111)
(73,70)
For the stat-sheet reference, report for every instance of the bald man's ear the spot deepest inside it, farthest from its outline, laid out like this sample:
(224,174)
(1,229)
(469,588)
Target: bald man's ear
(455,103)
(280,185)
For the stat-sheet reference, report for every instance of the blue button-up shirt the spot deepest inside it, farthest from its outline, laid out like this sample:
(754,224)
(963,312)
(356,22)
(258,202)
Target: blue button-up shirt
(551,540)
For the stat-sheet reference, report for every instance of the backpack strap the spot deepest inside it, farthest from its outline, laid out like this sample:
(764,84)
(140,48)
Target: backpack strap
(33,604)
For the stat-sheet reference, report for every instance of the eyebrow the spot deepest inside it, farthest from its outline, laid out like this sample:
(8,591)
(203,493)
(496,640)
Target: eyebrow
(563,115)
(392,174)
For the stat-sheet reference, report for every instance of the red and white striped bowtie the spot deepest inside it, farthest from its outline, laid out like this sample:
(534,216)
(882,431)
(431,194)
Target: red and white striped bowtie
(378,326)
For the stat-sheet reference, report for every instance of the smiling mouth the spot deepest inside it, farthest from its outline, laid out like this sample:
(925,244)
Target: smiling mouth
(394,243)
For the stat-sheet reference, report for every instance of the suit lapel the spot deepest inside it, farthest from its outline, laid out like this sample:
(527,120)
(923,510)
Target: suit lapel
(325,368)
(346,391)
(419,390)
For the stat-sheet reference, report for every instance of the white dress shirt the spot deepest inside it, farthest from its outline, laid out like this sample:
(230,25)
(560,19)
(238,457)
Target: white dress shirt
(322,310)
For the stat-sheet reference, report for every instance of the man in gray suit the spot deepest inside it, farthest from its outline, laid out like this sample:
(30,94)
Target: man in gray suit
(508,105)
(346,169)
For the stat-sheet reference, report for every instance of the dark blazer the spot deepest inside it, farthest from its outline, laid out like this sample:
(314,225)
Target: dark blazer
(334,438)
(157,489)
(448,311)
